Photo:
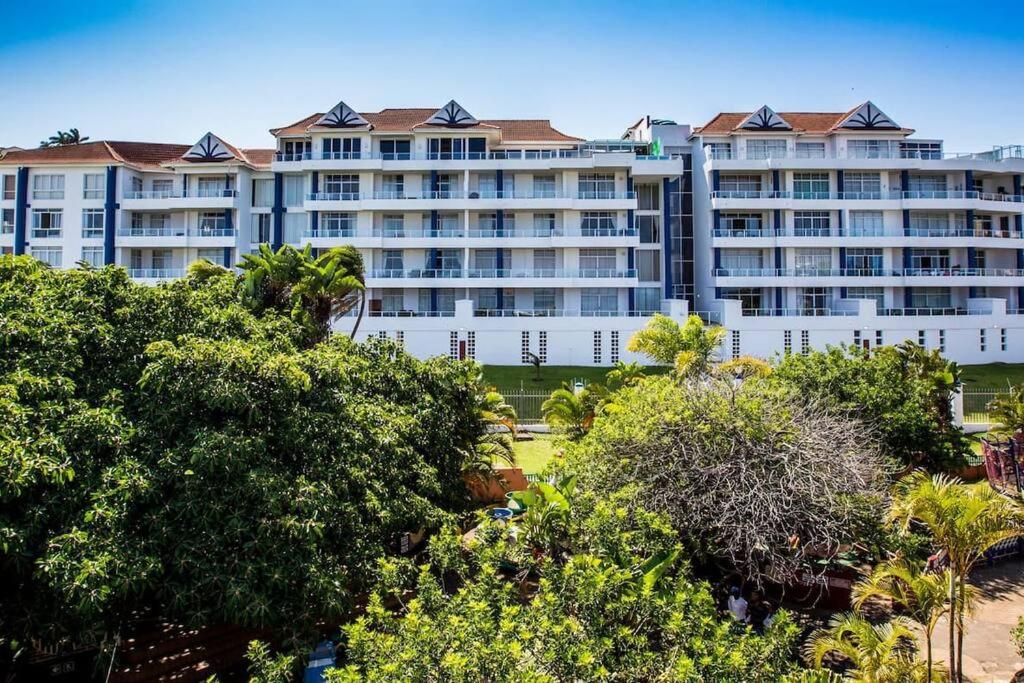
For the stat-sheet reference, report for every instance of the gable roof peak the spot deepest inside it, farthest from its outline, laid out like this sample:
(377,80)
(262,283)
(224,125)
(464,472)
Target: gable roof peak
(452,115)
(211,149)
(341,116)
(868,116)
(764,119)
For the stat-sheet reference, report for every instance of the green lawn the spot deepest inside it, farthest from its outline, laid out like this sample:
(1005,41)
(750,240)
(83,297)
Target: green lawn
(551,376)
(993,374)
(532,456)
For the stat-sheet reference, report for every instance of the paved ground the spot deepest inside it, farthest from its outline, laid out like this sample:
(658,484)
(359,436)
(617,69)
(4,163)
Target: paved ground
(989,653)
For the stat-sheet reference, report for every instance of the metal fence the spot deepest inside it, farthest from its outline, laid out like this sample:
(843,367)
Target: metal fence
(527,403)
(976,400)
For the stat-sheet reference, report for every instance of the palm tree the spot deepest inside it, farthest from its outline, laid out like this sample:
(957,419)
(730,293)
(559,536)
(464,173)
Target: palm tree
(268,276)
(327,289)
(1007,412)
(877,653)
(202,270)
(921,595)
(624,375)
(691,348)
(71,137)
(964,521)
(497,425)
(573,411)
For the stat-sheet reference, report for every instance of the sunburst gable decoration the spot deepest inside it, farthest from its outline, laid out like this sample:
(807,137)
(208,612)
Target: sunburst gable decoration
(765,119)
(210,148)
(341,116)
(869,117)
(452,115)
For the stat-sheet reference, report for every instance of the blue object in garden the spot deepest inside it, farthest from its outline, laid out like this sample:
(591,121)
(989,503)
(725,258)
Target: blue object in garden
(500,514)
(320,659)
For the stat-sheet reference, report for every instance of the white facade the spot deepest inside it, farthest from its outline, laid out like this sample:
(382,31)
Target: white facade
(498,239)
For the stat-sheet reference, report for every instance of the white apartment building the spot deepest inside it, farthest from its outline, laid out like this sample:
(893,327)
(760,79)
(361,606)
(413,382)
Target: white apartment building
(497,239)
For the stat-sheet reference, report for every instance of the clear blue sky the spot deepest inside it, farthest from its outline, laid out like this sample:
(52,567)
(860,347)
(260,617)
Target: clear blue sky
(169,71)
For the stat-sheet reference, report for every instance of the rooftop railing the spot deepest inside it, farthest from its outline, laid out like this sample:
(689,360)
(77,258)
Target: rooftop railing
(459,194)
(887,231)
(868,272)
(491,155)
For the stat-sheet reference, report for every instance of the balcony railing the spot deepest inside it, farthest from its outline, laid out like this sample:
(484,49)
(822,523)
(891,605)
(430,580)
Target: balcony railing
(152,232)
(868,272)
(796,312)
(438,273)
(212,231)
(405,314)
(459,194)
(498,155)
(883,152)
(479,273)
(330,232)
(156,273)
(557,313)
(889,231)
(202,193)
(46,233)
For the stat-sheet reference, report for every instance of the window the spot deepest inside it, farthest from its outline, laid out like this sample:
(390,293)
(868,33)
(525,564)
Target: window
(212,255)
(48,187)
(163,187)
(137,184)
(296,149)
(740,224)
(597,186)
(8,187)
(544,262)
(719,150)
(735,343)
(393,186)
(392,224)
(51,256)
(93,186)
(647,197)
(597,224)
(598,262)
(930,259)
(339,224)
(742,184)
(929,224)
(647,300)
(395,149)
(879,339)
(599,300)
(486,260)
(544,186)
(810,150)
(487,185)
(929,185)
(7,222)
(876,294)
(942,341)
(213,187)
(921,339)
(445,148)
(487,299)
(448,225)
(544,299)
(161,259)
(342,148)
(544,224)
(93,256)
(648,265)
(931,298)
(766,149)
(856,338)
(294,186)
(392,300)
(812,223)
(211,223)
(862,186)
(392,260)
(872,149)
(47,222)
(813,300)
(742,259)
(787,341)
(863,261)
(866,224)
(92,223)
(812,261)
(920,150)
(263,192)
(1002,339)
(346,185)
(261,228)
(487,224)
(649,228)
(749,297)
(805,341)
(449,259)
(445,300)
(810,186)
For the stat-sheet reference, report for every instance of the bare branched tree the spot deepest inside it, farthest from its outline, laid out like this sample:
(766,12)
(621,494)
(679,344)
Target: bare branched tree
(748,475)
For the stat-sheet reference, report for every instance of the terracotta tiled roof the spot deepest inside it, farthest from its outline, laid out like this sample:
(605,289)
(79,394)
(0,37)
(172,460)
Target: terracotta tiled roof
(259,158)
(405,120)
(98,152)
(818,123)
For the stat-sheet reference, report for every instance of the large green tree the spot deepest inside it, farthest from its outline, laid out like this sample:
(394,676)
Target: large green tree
(168,448)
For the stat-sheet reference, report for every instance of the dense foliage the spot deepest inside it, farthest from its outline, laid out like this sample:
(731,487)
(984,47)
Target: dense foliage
(745,472)
(903,392)
(168,448)
(597,613)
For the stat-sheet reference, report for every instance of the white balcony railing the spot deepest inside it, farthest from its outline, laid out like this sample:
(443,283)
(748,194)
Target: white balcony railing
(156,273)
(539,273)
(868,272)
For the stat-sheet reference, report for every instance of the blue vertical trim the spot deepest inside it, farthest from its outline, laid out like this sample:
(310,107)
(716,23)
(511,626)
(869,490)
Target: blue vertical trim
(716,220)
(499,219)
(434,182)
(972,257)
(20,210)
(499,183)
(666,240)
(314,182)
(775,180)
(1017,184)
(228,221)
(777,219)
(969,218)
(630,213)
(227,257)
(908,297)
(314,216)
(433,300)
(842,292)
(499,259)
(631,299)
(778,298)
(840,181)
(432,259)
(904,180)
(435,221)
(842,258)
(314,222)
(906,258)
(968,180)
(839,214)
(718,258)
(906,222)
(184,184)
(718,292)
(277,236)
(716,180)
(779,261)
(110,216)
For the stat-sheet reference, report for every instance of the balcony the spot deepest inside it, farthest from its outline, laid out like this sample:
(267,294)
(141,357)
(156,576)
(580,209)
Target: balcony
(156,273)
(170,200)
(953,272)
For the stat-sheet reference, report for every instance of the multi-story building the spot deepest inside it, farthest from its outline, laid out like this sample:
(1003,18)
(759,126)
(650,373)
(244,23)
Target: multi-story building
(827,228)
(498,239)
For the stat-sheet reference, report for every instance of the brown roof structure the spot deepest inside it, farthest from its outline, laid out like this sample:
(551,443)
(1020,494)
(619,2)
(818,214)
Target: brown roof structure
(146,154)
(812,122)
(407,120)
